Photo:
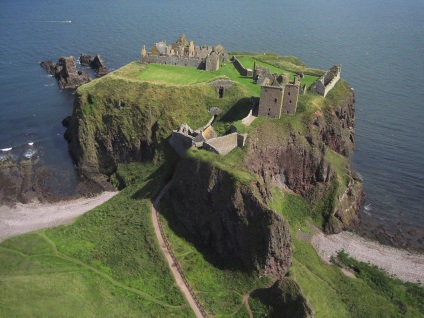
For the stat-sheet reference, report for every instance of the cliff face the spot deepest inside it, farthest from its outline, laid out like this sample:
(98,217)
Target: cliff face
(311,159)
(285,299)
(227,216)
(120,119)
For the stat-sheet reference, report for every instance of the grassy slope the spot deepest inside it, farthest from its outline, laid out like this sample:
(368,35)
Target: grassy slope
(95,267)
(330,292)
(107,264)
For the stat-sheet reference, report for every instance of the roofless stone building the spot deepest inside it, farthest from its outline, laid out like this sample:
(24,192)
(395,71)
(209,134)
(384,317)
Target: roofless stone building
(184,53)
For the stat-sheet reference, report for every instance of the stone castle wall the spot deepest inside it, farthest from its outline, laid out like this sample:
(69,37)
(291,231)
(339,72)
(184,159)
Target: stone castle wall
(291,93)
(175,60)
(241,69)
(327,81)
(270,101)
(222,145)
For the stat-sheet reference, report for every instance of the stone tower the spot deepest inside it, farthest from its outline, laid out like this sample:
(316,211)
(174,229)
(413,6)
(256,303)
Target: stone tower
(143,52)
(191,49)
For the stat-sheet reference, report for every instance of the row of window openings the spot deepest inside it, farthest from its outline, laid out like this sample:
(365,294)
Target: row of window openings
(275,100)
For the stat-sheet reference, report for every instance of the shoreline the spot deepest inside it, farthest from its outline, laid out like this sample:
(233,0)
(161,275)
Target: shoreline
(26,218)
(406,265)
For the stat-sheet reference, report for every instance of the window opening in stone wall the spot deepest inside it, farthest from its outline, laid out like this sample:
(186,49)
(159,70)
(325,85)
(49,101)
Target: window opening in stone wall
(288,93)
(221,92)
(275,100)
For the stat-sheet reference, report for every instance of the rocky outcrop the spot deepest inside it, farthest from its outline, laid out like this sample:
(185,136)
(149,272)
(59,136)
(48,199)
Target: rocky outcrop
(284,299)
(48,66)
(27,180)
(85,59)
(66,73)
(229,218)
(301,161)
(98,66)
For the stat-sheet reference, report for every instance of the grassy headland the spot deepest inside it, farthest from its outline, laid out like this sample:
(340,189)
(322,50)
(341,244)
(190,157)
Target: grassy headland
(108,262)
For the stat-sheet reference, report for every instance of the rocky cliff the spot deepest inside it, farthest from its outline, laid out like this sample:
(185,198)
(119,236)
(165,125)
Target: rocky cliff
(120,119)
(229,217)
(309,156)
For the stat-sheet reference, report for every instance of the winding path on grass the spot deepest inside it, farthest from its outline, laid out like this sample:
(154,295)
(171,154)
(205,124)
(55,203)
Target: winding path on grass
(172,263)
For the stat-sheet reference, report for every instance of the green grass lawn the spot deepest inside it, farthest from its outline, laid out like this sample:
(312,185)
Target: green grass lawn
(330,292)
(181,75)
(107,264)
(220,289)
(248,62)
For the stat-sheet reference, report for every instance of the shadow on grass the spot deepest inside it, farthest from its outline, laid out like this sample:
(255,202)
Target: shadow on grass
(167,211)
(238,111)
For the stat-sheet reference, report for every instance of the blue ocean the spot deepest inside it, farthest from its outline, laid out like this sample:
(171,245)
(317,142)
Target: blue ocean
(380,45)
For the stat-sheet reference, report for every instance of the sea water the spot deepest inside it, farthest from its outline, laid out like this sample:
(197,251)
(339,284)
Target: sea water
(379,43)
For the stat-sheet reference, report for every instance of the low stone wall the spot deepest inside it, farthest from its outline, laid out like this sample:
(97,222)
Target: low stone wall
(222,145)
(241,69)
(175,60)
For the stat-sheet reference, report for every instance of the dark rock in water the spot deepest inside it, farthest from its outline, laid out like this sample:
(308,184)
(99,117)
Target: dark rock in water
(85,59)
(28,180)
(66,121)
(48,66)
(98,66)
(67,75)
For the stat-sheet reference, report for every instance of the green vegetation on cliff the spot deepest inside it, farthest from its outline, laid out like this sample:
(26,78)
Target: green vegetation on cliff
(108,263)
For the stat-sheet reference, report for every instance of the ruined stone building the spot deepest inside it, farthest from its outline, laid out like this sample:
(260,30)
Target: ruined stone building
(278,95)
(327,81)
(184,53)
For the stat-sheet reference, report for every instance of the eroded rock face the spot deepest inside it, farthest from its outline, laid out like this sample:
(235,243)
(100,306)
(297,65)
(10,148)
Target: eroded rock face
(298,161)
(285,299)
(27,180)
(98,66)
(229,218)
(48,66)
(67,75)
(85,59)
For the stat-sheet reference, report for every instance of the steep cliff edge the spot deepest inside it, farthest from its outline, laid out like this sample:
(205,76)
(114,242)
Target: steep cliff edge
(308,154)
(121,118)
(229,217)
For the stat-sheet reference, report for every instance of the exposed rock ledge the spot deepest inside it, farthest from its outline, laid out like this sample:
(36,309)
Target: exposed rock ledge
(228,217)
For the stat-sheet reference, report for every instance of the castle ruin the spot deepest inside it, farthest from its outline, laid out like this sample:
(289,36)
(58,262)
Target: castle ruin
(184,53)
(327,81)
(278,95)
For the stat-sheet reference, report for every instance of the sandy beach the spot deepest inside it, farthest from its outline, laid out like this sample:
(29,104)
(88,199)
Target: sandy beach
(405,265)
(25,218)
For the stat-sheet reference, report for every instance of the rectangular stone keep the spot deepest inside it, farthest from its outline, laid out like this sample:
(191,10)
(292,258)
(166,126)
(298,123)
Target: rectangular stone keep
(271,101)
(291,93)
